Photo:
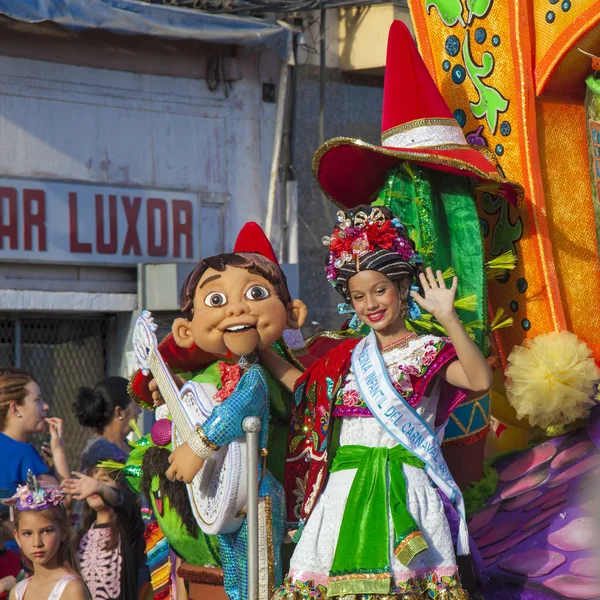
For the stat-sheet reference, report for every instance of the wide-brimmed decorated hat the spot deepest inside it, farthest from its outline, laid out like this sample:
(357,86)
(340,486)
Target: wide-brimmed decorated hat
(417,126)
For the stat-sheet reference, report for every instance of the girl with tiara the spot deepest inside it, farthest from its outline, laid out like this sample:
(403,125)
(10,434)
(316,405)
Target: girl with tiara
(45,536)
(371,521)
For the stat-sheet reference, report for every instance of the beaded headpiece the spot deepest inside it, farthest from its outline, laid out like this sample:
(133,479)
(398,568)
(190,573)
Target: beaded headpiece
(364,241)
(32,496)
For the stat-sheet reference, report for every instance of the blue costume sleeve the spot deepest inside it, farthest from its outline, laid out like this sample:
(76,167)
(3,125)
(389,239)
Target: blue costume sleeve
(249,399)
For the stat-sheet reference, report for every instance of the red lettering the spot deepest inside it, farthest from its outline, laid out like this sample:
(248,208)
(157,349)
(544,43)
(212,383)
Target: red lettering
(132,211)
(152,206)
(109,247)
(9,227)
(34,219)
(74,244)
(182,227)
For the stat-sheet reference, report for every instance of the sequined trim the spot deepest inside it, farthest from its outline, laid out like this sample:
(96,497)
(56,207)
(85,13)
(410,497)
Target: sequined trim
(426,588)
(354,411)
(270,547)
(466,439)
(418,123)
(410,546)
(332,335)
(205,440)
(201,445)
(141,403)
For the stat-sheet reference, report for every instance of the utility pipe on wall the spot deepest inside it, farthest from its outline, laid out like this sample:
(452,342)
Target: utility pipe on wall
(279,124)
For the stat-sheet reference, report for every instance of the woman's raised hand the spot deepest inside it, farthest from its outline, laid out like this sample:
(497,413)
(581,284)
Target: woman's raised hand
(55,425)
(438,300)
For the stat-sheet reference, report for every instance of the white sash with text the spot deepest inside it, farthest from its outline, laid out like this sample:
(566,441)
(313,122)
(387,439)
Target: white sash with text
(403,423)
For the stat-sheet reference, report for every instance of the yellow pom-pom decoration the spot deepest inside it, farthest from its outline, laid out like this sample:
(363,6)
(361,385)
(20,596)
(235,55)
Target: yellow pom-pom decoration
(550,381)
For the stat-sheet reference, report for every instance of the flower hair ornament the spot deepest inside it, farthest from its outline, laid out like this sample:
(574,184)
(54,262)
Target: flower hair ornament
(32,496)
(357,235)
(370,240)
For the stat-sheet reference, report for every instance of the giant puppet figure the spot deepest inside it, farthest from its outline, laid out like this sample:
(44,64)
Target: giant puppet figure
(232,305)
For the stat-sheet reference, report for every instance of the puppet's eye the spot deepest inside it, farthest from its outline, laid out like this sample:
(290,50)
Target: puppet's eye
(215,299)
(257,292)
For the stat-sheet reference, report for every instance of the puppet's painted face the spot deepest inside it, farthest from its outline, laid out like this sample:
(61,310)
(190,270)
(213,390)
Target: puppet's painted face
(236,310)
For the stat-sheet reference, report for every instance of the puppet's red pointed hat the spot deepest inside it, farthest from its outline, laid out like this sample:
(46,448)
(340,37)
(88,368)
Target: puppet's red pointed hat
(417,126)
(252,238)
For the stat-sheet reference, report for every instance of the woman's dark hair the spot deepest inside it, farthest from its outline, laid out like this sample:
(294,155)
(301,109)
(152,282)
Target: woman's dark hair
(249,261)
(95,408)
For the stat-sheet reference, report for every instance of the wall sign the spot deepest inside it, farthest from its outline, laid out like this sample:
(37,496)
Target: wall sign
(87,223)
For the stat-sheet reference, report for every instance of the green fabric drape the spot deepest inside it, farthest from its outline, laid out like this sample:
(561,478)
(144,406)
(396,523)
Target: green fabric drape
(361,563)
(439,212)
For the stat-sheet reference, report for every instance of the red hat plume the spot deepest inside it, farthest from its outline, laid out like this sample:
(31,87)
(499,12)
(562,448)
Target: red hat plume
(253,239)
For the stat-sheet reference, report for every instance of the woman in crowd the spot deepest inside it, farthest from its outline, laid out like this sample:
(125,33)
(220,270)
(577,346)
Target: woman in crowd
(23,412)
(107,409)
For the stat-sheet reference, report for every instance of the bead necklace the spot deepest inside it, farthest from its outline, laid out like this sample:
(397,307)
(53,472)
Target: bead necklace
(401,343)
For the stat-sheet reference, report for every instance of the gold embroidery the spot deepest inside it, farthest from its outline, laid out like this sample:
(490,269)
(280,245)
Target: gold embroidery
(476,406)
(204,439)
(410,546)
(420,157)
(141,403)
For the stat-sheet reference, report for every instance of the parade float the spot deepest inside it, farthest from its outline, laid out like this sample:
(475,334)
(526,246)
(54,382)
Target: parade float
(522,79)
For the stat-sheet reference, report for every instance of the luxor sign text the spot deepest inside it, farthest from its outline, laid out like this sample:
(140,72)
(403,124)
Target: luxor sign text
(75,222)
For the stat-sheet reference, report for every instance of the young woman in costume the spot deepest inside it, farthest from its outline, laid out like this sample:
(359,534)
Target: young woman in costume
(376,523)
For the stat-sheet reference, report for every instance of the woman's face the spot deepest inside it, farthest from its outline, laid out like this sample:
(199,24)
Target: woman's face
(127,414)
(376,300)
(33,411)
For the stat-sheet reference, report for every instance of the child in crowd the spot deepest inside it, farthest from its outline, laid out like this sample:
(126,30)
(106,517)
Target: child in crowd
(10,563)
(111,549)
(44,534)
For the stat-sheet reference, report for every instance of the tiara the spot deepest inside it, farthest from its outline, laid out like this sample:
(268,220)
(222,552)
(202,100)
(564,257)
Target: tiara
(363,233)
(32,496)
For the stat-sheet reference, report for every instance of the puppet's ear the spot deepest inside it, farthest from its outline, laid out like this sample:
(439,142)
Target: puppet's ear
(296,314)
(182,333)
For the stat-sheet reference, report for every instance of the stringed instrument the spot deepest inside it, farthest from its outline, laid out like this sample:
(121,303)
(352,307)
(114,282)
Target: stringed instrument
(218,493)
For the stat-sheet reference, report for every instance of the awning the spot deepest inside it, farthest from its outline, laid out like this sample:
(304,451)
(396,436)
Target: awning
(132,17)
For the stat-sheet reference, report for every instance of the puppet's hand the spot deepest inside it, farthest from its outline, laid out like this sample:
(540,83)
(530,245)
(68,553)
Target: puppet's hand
(185,464)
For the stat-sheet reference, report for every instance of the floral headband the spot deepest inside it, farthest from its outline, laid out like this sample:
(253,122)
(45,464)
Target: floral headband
(32,496)
(353,238)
